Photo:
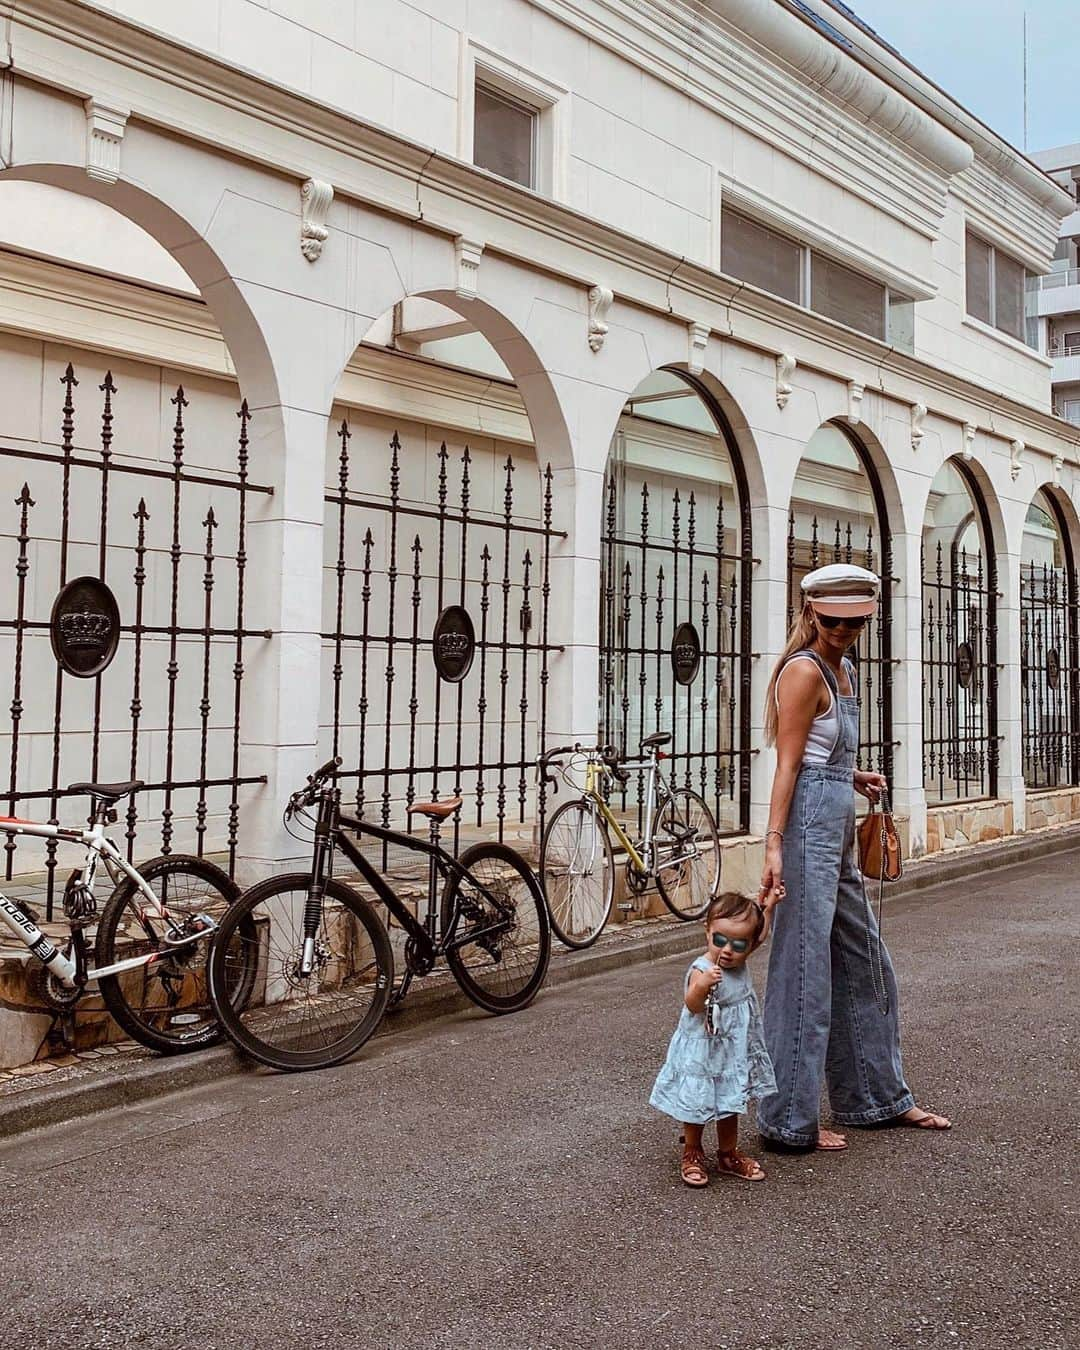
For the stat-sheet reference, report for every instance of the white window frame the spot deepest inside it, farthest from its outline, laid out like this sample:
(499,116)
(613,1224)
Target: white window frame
(549,100)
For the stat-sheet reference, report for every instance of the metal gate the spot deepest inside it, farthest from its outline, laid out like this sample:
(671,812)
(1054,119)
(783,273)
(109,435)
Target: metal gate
(675,636)
(435,636)
(124,628)
(960,741)
(1049,631)
(872,654)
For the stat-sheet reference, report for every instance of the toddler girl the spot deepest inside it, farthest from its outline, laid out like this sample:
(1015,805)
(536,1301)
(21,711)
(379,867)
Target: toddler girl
(717,1060)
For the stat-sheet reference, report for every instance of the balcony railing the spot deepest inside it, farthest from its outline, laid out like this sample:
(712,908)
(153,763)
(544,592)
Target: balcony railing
(1052,280)
(1064,349)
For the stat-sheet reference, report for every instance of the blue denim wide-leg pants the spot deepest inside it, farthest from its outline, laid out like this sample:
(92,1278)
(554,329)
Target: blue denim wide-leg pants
(823,1020)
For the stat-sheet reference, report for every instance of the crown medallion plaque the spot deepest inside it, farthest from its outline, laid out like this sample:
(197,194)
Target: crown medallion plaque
(453,644)
(84,627)
(685,654)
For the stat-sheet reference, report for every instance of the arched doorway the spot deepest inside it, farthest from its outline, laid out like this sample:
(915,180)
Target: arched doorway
(1048,648)
(675,593)
(959,583)
(129,493)
(440,525)
(838,515)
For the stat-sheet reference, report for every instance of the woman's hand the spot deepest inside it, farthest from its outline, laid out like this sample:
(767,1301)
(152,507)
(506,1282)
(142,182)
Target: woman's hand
(772,889)
(871,785)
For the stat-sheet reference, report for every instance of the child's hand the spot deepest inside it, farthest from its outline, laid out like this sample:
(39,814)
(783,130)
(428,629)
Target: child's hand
(702,982)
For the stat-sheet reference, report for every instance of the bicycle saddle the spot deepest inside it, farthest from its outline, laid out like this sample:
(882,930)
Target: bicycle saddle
(657,738)
(436,810)
(108,792)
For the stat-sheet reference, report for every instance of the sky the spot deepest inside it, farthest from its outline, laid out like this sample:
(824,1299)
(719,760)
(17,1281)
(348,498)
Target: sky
(974,50)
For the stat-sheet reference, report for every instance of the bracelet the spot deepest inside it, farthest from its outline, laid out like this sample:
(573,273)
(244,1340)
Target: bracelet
(779,833)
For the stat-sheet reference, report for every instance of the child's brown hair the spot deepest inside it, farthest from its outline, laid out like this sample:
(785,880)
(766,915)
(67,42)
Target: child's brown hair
(732,905)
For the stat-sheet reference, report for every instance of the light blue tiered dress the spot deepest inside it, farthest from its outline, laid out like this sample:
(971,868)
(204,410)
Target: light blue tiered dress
(708,1076)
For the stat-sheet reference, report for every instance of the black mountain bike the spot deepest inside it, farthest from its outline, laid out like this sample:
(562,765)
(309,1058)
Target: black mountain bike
(325,968)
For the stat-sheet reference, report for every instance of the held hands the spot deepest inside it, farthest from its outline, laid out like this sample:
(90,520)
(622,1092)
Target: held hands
(871,785)
(772,889)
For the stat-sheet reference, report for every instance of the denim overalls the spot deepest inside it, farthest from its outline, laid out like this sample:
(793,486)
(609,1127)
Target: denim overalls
(823,1021)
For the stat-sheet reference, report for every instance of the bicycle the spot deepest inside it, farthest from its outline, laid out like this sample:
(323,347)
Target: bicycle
(679,846)
(326,967)
(151,981)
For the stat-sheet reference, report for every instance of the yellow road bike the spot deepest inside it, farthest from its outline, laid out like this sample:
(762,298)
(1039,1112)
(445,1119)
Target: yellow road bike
(679,845)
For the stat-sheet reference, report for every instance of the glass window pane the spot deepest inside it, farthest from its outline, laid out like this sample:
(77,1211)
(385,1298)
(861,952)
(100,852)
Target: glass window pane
(844,295)
(760,256)
(901,322)
(977,267)
(504,134)
(1008,295)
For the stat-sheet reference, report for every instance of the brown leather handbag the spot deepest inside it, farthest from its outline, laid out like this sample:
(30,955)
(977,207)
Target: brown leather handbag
(880,858)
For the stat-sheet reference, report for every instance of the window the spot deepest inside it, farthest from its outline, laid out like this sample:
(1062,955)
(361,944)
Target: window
(760,256)
(996,287)
(783,266)
(846,296)
(504,136)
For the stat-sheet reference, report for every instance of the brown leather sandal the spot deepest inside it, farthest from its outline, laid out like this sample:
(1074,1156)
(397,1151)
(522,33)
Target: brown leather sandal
(736,1164)
(692,1169)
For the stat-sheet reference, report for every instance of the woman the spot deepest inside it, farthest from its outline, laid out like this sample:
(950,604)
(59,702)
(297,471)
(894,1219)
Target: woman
(827,1018)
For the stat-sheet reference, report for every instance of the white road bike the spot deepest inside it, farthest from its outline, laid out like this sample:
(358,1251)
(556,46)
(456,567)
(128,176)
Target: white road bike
(152,934)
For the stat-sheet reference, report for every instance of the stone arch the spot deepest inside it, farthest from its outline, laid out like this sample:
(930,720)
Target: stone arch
(181,239)
(676,572)
(844,507)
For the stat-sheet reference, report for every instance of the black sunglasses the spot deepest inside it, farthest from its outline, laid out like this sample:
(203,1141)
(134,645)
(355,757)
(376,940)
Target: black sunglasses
(739,945)
(835,621)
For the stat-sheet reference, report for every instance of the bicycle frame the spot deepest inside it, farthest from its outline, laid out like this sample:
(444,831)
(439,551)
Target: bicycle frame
(657,786)
(98,848)
(330,836)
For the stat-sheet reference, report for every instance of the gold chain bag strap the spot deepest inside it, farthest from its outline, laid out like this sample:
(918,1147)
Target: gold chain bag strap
(880,860)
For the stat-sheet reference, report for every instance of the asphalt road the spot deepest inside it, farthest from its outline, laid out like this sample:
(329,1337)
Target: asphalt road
(502,1182)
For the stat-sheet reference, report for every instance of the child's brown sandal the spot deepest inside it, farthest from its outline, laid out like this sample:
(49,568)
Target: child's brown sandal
(736,1164)
(692,1169)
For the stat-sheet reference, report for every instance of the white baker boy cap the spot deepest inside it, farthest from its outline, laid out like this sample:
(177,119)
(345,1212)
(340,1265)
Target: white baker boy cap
(842,590)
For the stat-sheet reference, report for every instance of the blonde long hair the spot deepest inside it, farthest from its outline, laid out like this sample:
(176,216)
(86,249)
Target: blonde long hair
(801,634)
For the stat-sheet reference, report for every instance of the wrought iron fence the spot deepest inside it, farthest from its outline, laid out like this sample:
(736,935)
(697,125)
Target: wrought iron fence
(960,678)
(1048,675)
(126,632)
(437,637)
(845,541)
(675,636)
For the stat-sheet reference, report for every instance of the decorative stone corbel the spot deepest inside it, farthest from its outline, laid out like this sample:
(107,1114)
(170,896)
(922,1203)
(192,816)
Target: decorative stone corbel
(855,392)
(698,341)
(600,302)
(1057,464)
(1016,450)
(105,126)
(315,199)
(918,417)
(785,368)
(467,255)
(970,430)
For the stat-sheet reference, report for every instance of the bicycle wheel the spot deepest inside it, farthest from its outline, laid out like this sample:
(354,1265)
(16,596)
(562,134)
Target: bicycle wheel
(577,872)
(292,1020)
(503,968)
(687,845)
(165,1004)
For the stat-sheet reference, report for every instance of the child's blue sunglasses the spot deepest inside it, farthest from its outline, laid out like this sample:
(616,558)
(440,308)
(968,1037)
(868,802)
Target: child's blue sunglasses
(739,945)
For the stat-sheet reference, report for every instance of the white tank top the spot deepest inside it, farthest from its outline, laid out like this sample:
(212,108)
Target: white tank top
(824,729)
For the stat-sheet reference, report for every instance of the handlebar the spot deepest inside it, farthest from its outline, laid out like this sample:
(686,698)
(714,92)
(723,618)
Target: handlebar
(609,756)
(306,795)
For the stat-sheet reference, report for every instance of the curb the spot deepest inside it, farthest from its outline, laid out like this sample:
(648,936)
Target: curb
(139,1080)
(136,1080)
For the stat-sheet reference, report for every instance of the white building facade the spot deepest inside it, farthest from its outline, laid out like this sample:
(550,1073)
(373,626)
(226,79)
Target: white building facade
(588,327)
(1056,296)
